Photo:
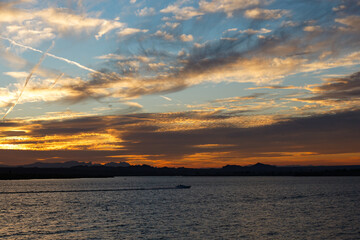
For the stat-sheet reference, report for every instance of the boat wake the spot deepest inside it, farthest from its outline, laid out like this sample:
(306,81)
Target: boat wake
(95,190)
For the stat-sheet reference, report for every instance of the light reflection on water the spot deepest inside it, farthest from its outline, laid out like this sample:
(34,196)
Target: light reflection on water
(213,208)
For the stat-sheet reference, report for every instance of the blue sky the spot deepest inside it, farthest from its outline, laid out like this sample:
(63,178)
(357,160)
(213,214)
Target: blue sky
(247,64)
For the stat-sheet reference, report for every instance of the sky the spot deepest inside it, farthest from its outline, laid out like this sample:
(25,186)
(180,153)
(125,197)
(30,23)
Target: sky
(180,83)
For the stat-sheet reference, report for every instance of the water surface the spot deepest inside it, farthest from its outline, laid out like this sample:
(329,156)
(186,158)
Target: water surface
(213,208)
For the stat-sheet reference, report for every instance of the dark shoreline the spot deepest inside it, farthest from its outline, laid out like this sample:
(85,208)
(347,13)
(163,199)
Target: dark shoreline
(12,173)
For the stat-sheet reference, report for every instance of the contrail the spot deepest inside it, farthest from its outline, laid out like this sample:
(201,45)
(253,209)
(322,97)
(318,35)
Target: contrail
(72,62)
(49,54)
(21,45)
(166,98)
(60,76)
(27,80)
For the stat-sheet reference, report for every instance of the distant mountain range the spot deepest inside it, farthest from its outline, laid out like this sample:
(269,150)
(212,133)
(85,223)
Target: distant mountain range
(257,165)
(69,164)
(74,169)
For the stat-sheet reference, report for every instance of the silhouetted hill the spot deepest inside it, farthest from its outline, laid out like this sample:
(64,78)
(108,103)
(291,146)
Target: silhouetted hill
(233,167)
(261,165)
(70,164)
(120,164)
(81,170)
(56,165)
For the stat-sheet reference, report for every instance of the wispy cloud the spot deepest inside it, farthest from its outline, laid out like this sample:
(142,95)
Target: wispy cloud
(66,22)
(27,80)
(265,14)
(146,11)
(61,20)
(342,89)
(131,31)
(228,6)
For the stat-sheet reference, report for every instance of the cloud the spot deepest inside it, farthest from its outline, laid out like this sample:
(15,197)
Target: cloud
(352,23)
(277,87)
(165,35)
(27,80)
(279,55)
(130,31)
(181,13)
(10,14)
(11,59)
(172,25)
(41,88)
(265,14)
(228,6)
(252,31)
(331,62)
(186,38)
(238,99)
(58,21)
(66,22)
(174,137)
(29,33)
(112,56)
(341,89)
(312,28)
(339,8)
(133,107)
(17,74)
(146,12)
(157,67)
(112,84)
(236,58)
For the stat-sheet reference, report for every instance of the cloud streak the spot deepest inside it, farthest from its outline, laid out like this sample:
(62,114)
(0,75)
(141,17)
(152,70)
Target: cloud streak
(341,89)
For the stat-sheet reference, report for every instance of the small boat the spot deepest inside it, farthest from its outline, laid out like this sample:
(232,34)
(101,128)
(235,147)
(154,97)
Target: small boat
(182,186)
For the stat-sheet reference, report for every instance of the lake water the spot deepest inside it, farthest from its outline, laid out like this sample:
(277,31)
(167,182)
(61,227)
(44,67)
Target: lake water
(213,208)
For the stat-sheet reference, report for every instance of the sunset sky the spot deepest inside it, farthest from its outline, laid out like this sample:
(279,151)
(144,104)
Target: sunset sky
(180,83)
